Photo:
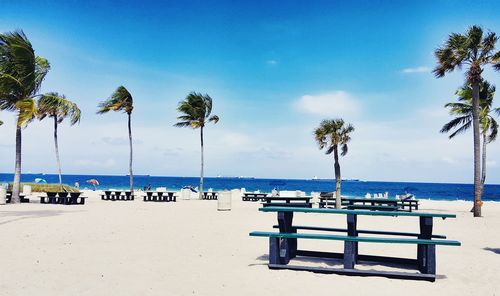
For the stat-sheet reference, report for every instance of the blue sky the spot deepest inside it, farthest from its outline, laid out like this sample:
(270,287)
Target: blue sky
(274,68)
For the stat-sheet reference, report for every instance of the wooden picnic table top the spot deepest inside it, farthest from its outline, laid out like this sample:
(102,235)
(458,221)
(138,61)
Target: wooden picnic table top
(356,212)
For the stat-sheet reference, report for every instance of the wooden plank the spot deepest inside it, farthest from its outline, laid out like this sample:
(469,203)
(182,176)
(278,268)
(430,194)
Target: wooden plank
(356,272)
(356,238)
(356,212)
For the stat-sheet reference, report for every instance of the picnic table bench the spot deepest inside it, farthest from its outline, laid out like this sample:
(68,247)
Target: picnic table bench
(283,244)
(159,196)
(282,201)
(117,195)
(22,197)
(65,198)
(252,196)
(373,204)
(210,195)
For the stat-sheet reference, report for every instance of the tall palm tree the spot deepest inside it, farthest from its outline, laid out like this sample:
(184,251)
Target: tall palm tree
(474,50)
(121,100)
(334,134)
(463,110)
(21,76)
(196,109)
(58,107)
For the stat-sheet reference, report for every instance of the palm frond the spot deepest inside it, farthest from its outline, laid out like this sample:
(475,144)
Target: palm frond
(120,100)
(58,106)
(196,109)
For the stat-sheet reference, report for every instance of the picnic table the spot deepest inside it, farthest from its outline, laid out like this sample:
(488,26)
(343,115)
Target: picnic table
(65,198)
(283,201)
(253,196)
(22,198)
(160,196)
(373,204)
(283,244)
(210,195)
(117,195)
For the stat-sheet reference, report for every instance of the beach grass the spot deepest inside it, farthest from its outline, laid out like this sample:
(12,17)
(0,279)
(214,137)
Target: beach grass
(55,187)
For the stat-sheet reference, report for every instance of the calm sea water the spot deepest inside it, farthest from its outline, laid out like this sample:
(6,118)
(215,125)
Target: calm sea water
(437,191)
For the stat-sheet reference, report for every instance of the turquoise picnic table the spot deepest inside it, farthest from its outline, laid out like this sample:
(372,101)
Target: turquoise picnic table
(283,244)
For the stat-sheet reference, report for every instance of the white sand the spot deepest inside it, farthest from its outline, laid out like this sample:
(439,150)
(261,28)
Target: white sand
(189,248)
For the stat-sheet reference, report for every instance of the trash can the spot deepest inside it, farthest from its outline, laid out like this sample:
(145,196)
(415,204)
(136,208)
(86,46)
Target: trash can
(224,201)
(27,190)
(315,199)
(3,196)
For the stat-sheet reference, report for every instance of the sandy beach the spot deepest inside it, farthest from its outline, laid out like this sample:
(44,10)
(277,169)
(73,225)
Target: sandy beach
(190,248)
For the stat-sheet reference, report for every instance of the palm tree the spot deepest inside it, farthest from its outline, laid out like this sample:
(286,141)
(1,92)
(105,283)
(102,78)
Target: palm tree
(463,111)
(473,50)
(121,100)
(196,110)
(21,76)
(330,135)
(58,107)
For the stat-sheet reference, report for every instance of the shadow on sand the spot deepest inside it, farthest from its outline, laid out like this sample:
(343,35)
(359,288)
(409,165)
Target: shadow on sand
(22,215)
(494,250)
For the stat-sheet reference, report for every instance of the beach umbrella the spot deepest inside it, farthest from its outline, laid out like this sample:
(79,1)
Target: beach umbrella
(40,181)
(93,182)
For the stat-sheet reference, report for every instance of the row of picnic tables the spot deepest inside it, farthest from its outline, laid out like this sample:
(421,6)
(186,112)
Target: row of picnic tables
(348,203)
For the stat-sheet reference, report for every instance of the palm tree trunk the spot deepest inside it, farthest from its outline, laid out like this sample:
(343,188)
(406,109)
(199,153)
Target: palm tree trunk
(477,149)
(131,154)
(17,173)
(57,152)
(202,163)
(483,163)
(338,200)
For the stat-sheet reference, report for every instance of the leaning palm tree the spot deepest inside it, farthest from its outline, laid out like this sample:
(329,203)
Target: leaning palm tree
(58,107)
(474,50)
(332,134)
(21,76)
(463,120)
(196,110)
(121,100)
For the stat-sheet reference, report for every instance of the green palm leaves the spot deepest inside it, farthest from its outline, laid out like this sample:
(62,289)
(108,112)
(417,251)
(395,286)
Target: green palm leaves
(463,111)
(333,133)
(196,110)
(473,49)
(59,107)
(120,100)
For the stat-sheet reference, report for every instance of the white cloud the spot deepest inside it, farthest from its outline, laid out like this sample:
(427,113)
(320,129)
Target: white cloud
(420,69)
(336,103)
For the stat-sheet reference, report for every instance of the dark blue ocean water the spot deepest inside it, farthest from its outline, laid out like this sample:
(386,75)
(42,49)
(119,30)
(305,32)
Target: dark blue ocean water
(437,191)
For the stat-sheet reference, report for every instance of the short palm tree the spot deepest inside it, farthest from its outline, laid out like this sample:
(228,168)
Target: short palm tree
(196,110)
(334,134)
(463,120)
(121,100)
(21,76)
(474,50)
(58,107)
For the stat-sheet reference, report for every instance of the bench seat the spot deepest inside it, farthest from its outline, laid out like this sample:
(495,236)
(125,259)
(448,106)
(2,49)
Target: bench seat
(376,232)
(357,238)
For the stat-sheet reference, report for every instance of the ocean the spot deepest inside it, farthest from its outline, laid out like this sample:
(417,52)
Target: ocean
(351,188)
